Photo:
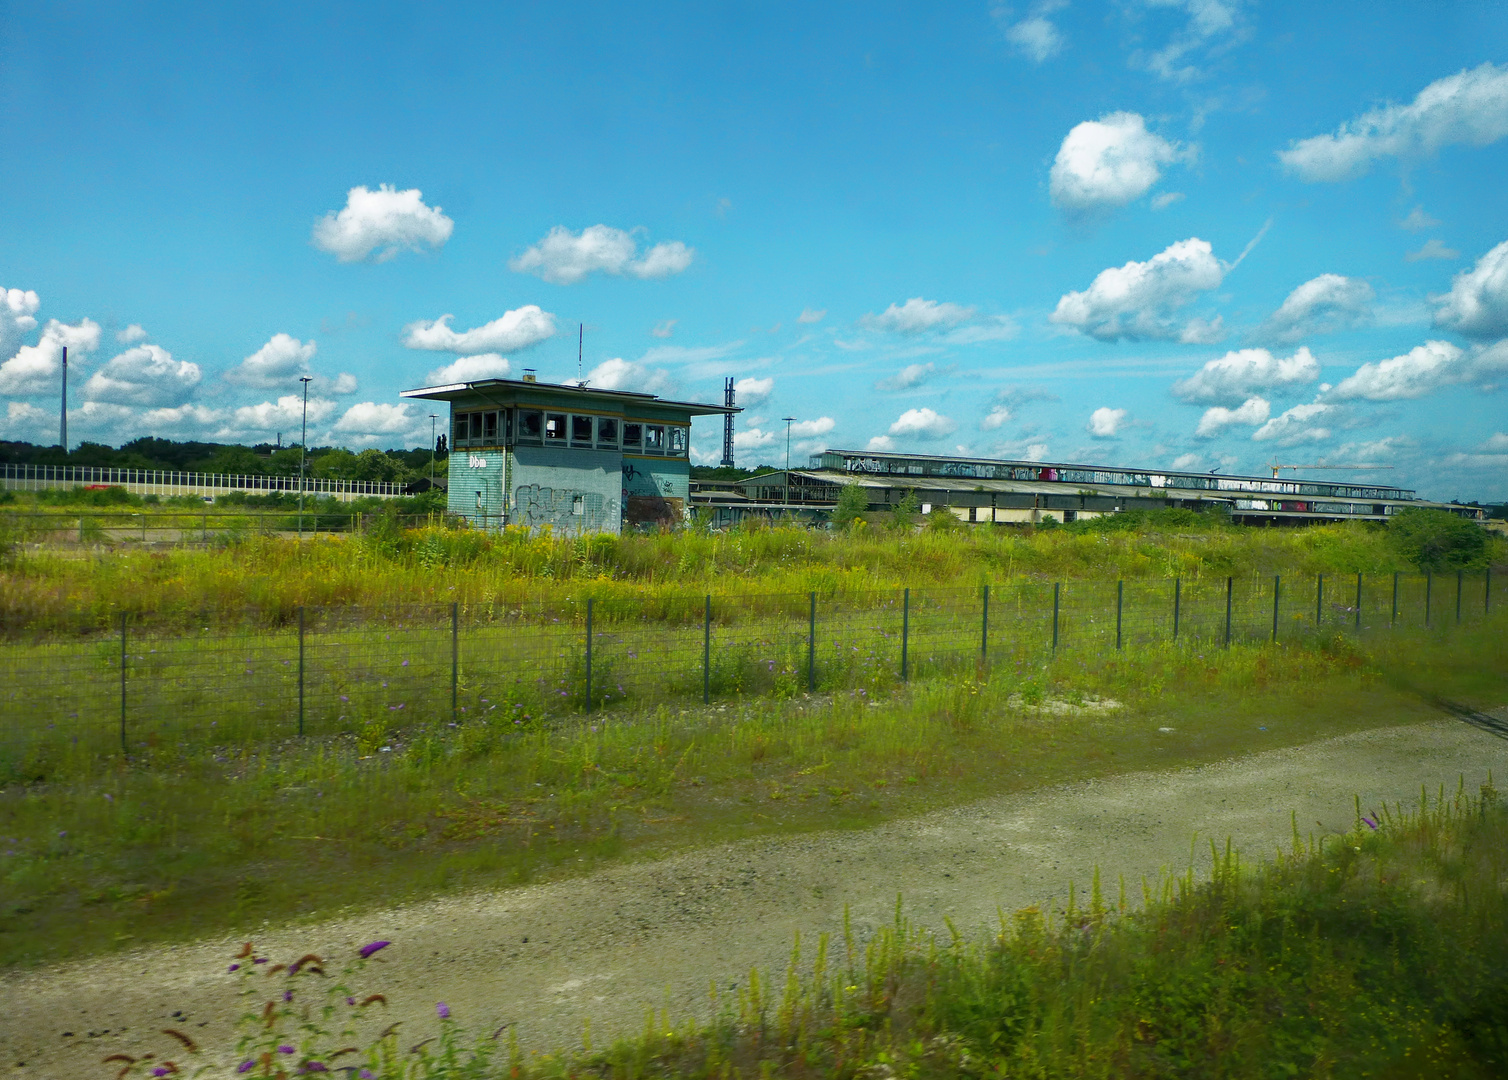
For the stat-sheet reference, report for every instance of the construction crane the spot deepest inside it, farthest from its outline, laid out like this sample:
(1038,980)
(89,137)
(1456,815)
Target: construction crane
(1275,467)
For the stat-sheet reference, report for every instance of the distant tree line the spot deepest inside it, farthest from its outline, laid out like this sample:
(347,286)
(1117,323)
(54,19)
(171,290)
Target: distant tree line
(263,459)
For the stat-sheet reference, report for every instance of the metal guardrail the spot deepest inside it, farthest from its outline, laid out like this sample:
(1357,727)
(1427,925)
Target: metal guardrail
(15,477)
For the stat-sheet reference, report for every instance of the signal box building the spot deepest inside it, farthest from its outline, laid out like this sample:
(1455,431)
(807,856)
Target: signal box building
(574,458)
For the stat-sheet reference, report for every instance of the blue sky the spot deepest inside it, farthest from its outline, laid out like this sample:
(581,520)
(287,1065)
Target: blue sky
(1177,233)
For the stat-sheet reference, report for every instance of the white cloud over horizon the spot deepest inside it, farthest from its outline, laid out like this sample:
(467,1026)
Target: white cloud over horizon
(1036,36)
(1109,162)
(1141,301)
(1105,422)
(922,424)
(1320,305)
(471,369)
(918,316)
(565,258)
(37,369)
(144,375)
(280,362)
(751,392)
(1470,108)
(1239,374)
(509,332)
(1253,411)
(1477,304)
(1300,424)
(378,225)
(908,378)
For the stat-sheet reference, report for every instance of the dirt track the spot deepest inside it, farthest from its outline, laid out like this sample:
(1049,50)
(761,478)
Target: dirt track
(604,947)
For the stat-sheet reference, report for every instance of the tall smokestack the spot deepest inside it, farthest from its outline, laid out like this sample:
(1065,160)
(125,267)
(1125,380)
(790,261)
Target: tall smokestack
(63,413)
(728,423)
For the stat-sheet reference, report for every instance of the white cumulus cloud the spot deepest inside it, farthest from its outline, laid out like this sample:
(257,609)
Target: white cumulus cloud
(131,334)
(754,439)
(1252,411)
(18,311)
(1208,20)
(916,316)
(1036,36)
(997,418)
(1109,162)
(511,331)
(285,414)
(36,369)
(1141,300)
(806,429)
(811,315)
(1320,305)
(471,369)
(620,374)
(375,418)
(922,424)
(1470,107)
(280,362)
(751,392)
(1477,304)
(1434,248)
(1105,422)
(908,378)
(144,375)
(564,257)
(1237,375)
(1418,372)
(881,443)
(1300,424)
(377,225)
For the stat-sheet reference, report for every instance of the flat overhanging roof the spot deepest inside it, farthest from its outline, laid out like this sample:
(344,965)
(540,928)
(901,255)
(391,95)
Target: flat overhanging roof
(455,391)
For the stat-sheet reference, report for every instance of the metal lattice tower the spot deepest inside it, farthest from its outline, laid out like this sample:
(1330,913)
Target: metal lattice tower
(728,423)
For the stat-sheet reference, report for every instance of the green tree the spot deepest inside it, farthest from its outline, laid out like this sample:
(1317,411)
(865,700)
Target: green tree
(336,464)
(1439,540)
(853,500)
(903,514)
(235,460)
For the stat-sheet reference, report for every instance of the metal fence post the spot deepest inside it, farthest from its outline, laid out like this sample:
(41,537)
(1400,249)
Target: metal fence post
(1487,592)
(1057,587)
(589,654)
(1393,618)
(455,661)
(811,645)
(1358,600)
(1230,589)
(1120,597)
(1277,589)
(1429,589)
(204,529)
(301,671)
(1319,600)
(984,627)
(1460,577)
(1177,604)
(707,651)
(123,683)
(905,630)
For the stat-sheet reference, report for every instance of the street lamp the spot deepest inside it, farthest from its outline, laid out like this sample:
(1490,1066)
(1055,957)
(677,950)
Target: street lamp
(432,418)
(303,451)
(788,421)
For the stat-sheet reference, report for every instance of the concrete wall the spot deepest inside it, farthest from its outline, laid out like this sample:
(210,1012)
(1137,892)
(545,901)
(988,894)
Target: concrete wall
(476,486)
(571,491)
(655,491)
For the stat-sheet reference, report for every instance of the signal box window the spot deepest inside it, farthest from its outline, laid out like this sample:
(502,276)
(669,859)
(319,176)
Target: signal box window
(530,425)
(633,436)
(555,427)
(607,431)
(581,431)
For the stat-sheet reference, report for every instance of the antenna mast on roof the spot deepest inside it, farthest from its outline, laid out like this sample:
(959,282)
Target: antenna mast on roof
(728,423)
(580,340)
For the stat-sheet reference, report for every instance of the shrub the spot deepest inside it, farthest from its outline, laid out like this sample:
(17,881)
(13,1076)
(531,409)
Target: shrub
(1439,540)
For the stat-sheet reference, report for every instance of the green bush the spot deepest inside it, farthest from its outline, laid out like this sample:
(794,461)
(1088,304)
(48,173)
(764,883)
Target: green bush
(1439,540)
(853,501)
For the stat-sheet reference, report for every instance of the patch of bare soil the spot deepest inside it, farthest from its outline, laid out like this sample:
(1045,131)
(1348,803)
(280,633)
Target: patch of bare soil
(546,958)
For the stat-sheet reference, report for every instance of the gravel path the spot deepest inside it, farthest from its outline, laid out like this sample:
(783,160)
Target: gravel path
(605,947)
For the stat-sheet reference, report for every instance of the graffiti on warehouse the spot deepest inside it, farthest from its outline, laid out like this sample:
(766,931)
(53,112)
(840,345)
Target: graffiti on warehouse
(564,509)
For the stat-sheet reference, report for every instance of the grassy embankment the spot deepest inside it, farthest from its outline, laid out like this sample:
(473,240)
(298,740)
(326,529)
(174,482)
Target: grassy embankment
(102,852)
(1380,953)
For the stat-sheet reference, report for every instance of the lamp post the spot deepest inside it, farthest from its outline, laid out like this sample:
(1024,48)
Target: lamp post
(432,418)
(788,421)
(303,452)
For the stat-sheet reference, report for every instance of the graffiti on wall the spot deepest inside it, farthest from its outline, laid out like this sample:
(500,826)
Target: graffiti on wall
(564,509)
(650,500)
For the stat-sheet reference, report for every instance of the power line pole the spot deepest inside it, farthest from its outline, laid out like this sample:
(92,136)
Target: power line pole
(788,421)
(303,453)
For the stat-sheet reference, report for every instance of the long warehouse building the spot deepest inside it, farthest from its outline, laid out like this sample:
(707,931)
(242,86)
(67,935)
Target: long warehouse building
(983,490)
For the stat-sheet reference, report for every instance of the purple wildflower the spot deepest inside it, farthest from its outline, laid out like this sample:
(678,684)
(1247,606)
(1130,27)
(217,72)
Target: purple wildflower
(246,1066)
(234,967)
(161,1070)
(367,1074)
(405,663)
(350,1001)
(443,1010)
(285,1049)
(1370,823)
(260,960)
(368,950)
(287,995)
(313,1067)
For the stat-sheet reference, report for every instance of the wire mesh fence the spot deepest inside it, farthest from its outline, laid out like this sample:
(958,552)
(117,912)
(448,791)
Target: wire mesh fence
(260,676)
(90,527)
